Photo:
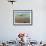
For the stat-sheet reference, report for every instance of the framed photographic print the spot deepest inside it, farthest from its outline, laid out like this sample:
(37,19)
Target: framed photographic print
(22,17)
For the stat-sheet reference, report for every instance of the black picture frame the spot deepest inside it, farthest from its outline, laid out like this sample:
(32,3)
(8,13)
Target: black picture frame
(14,15)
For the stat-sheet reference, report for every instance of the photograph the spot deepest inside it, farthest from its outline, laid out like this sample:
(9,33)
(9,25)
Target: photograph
(22,16)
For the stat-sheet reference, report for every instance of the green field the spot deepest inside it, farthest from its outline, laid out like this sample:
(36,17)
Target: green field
(23,15)
(22,18)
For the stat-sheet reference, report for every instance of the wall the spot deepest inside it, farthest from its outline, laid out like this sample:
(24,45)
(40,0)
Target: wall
(38,30)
